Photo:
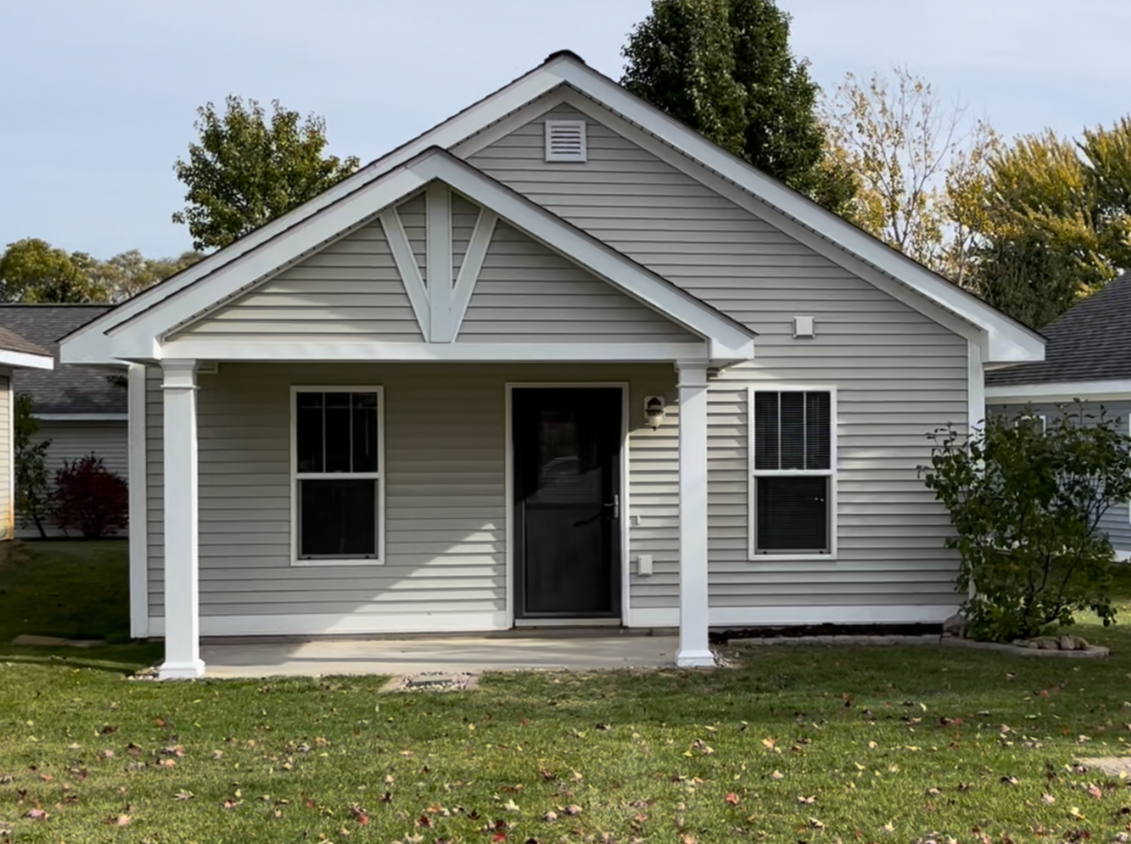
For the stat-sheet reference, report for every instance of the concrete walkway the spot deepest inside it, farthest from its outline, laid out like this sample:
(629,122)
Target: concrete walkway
(457,654)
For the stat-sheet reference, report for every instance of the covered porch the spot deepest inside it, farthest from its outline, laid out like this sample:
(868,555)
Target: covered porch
(465,332)
(458,545)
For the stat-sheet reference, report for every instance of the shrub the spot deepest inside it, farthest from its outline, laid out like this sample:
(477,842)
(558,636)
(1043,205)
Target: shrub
(34,502)
(1027,504)
(90,499)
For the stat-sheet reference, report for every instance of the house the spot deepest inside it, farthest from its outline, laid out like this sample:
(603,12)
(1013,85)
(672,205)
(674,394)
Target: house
(16,355)
(558,360)
(81,409)
(1087,359)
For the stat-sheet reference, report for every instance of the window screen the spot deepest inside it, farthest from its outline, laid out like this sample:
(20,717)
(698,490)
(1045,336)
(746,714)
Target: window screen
(337,474)
(793,473)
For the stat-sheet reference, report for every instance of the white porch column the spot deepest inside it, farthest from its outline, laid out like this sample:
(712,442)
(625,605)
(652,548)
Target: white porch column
(694,649)
(182,588)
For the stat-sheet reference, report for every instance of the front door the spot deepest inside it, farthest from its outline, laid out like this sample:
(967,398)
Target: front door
(567,443)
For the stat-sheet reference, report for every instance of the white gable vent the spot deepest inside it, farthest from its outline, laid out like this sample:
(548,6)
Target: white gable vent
(565,140)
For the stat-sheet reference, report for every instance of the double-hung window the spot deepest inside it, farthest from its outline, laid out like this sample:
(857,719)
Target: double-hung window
(338,489)
(793,472)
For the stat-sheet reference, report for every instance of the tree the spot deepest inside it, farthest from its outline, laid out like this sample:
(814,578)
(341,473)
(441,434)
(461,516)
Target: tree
(33,490)
(246,171)
(917,159)
(128,273)
(1053,221)
(1027,504)
(33,271)
(724,68)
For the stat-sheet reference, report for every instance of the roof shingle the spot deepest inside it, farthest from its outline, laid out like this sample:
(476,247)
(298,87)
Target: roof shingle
(68,388)
(1089,342)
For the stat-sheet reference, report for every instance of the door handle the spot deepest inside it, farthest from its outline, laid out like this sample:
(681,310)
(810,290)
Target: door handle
(615,504)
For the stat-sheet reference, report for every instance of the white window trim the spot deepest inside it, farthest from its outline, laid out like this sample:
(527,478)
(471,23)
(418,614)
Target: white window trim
(752,474)
(379,475)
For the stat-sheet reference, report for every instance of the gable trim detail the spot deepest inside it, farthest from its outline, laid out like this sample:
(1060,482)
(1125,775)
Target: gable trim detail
(143,334)
(471,267)
(407,267)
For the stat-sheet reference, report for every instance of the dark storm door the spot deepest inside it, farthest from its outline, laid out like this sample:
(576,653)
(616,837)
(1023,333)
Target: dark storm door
(567,445)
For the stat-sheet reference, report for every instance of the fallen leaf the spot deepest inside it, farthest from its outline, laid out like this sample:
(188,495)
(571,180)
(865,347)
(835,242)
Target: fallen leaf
(1048,798)
(732,798)
(550,816)
(184,795)
(1009,780)
(807,801)
(36,815)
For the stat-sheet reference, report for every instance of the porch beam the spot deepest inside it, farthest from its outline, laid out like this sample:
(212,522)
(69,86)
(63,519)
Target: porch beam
(182,565)
(694,647)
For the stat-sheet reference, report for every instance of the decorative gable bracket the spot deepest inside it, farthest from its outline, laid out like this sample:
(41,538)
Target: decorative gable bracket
(441,302)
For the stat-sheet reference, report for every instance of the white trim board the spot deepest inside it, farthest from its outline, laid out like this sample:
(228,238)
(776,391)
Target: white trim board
(81,417)
(142,334)
(359,623)
(24,360)
(139,506)
(719,617)
(1060,391)
(345,350)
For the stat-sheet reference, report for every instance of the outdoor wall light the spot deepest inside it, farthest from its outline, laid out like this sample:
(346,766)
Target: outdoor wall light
(654,411)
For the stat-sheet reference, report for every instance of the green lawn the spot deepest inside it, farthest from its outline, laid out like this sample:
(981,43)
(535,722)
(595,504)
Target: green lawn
(813,744)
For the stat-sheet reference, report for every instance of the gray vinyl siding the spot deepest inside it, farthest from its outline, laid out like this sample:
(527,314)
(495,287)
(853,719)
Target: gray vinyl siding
(1117,520)
(445,488)
(414,219)
(7,491)
(898,373)
(464,217)
(529,294)
(71,441)
(351,290)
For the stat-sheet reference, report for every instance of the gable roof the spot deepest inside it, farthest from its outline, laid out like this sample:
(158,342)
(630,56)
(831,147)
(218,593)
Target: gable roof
(1004,338)
(67,388)
(18,352)
(1087,343)
(132,330)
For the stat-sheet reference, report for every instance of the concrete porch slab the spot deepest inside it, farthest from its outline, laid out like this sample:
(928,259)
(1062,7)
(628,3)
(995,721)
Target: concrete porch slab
(457,654)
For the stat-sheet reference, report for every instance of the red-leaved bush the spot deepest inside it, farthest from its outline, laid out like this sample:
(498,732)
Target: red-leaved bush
(90,499)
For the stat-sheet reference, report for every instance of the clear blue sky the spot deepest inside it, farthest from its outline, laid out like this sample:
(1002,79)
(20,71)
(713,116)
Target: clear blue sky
(97,99)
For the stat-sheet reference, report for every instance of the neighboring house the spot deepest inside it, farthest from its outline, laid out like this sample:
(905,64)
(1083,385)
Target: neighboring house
(1087,358)
(429,400)
(81,409)
(17,355)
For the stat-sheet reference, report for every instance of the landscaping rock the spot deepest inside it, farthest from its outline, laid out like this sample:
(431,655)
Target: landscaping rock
(955,626)
(1047,643)
(1066,644)
(1081,643)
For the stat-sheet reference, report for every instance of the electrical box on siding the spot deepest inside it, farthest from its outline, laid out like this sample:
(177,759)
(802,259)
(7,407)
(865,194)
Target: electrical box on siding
(804,326)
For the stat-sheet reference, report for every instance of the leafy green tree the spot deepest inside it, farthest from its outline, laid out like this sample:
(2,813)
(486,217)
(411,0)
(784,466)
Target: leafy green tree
(34,501)
(1026,504)
(725,69)
(33,271)
(246,169)
(1053,220)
